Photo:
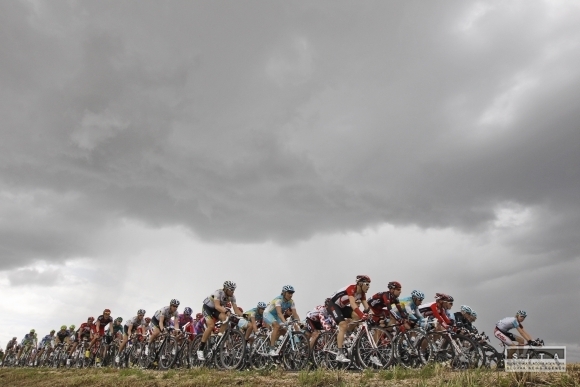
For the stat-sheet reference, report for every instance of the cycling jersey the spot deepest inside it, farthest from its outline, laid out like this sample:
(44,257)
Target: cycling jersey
(29,339)
(433,310)
(11,344)
(166,313)
(508,323)
(341,297)
(62,335)
(184,319)
(199,327)
(117,328)
(382,300)
(282,303)
(135,322)
(463,322)
(413,312)
(254,313)
(46,340)
(319,319)
(103,321)
(86,328)
(220,295)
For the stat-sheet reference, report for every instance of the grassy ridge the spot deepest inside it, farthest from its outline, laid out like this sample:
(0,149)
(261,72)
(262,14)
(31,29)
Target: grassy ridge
(429,376)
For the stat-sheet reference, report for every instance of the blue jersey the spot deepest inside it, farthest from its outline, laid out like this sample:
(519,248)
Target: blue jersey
(282,303)
(254,312)
(411,308)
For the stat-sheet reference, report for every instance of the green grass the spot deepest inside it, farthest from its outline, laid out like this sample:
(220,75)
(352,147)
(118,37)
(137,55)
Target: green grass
(432,376)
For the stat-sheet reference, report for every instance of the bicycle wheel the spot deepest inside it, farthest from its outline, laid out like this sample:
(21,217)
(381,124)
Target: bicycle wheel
(258,355)
(468,354)
(231,350)
(331,350)
(493,358)
(379,355)
(318,352)
(295,355)
(406,351)
(194,362)
(168,353)
(182,360)
(441,348)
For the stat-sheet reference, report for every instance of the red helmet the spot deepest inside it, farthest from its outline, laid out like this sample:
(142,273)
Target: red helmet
(363,278)
(443,297)
(106,311)
(198,316)
(241,310)
(91,319)
(394,285)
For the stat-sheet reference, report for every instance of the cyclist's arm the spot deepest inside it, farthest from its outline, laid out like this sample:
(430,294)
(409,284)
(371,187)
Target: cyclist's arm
(237,310)
(355,307)
(295,315)
(440,317)
(254,323)
(176,323)
(111,329)
(365,304)
(97,327)
(524,334)
(219,307)
(280,314)
(161,320)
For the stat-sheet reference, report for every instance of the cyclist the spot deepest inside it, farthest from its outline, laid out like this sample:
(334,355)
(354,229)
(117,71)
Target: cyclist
(118,328)
(186,322)
(84,332)
(503,327)
(30,339)
(437,310)
(276,312)
(342,307)
(463,318)
(316,321)
(411,305)
(62,336)
(214,308)
(99,327)
(199,324)
(129,329)
(379,301)
(162,319)
(45,344)
(11,346)
(255,317)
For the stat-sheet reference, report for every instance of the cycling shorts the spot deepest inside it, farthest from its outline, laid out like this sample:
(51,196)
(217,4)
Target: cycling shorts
(312,325)
(339,314)
(210,312)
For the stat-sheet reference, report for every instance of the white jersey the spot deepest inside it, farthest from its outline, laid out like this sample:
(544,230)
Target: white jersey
(166,313)
(505,324)
(221,296)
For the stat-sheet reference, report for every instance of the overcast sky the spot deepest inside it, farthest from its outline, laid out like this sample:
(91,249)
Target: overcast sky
(150,150)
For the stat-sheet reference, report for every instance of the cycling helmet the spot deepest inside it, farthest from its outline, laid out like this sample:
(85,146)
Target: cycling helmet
(363,278)
(63,327)
(229,285)
(32,331)
(198,316)
(53,331)
(72,327)
(106,311)
(521,313)
(174,302)
(473,313)
(443,297)
(261,305)
(14,338)
(394,285)
(240,308)
(119,319)
(91,319)
(141,311)
(187,311)
(418,294)
(466,309)
(288,288)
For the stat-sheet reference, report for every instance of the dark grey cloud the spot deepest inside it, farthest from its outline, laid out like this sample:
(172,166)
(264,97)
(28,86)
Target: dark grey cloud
(273,122)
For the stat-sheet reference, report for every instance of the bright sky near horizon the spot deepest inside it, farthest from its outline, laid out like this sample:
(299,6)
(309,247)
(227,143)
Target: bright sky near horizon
(150,150)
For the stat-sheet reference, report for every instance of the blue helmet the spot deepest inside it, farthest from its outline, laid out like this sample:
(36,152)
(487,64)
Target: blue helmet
(466,309)
(261,305)
(288,288)
(418,294)
(521,313)
(187,311)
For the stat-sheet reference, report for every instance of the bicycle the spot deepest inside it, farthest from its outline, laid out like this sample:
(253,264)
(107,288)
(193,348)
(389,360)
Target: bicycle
(161,352)
(225,350)
(292,348)
(457,350)
(369,347)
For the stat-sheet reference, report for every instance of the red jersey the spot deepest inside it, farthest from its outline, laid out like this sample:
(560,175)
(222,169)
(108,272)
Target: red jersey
(383,300)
